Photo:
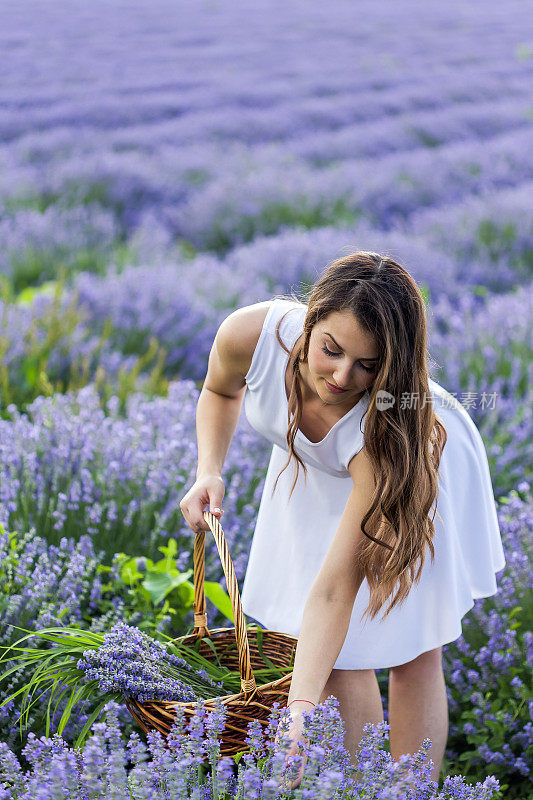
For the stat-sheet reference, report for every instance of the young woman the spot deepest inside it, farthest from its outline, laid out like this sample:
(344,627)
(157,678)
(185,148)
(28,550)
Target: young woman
(388,468)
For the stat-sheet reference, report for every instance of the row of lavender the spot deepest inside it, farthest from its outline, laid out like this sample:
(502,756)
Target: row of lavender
(486,239)
(201,59)
(222,152)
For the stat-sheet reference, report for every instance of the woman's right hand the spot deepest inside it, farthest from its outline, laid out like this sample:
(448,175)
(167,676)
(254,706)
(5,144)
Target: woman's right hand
(208,491)
(295,734)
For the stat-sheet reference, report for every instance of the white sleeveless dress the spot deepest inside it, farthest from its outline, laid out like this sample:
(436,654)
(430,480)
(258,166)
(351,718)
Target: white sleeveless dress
(291,539)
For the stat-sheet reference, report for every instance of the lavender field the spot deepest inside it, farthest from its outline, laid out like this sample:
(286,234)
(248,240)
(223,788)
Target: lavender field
(162,164)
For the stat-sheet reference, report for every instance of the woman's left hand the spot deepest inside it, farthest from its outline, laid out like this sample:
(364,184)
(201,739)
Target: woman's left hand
(295,733)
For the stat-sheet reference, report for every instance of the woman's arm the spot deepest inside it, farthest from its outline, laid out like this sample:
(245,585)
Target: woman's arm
(218,410)
(216,419)
(220,401)
(219,404)
(332,596)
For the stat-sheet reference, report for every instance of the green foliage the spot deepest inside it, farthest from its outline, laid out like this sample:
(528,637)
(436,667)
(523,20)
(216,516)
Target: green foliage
(473,169)
(123,255)
(30,266)
(427,139)
(489,710)
(496,239)
(18,565)
(523,51)
(28,295)
(425,292)
(499,703)
(196,177)
(480,290)
(146,375)
(55,669)
(157,589)
(187,250)
(479,369)
(36,202)
(47,341)
(125,595)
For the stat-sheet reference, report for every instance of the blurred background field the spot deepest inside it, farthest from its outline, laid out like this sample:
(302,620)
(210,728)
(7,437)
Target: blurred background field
(163,164)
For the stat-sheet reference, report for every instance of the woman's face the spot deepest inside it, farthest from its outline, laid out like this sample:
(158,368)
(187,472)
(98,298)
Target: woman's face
(342,354)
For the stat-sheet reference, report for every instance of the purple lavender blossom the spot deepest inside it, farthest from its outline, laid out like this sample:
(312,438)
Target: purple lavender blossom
(486,669)
(134,664)
(159,772)
(112,476)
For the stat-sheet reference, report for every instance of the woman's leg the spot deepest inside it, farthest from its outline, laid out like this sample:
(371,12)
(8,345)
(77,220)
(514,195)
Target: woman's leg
(359,699)
(418,707)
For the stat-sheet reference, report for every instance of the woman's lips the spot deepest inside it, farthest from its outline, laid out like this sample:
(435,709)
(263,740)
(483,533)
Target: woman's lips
(334,388)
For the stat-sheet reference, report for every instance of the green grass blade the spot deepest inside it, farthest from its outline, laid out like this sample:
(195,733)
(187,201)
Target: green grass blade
(6,674)
(85,730)
(27,706)
(15,694)
(75,679)
(28,654)
(77,692)
(65,635)
(209,644)
(44,673)
(69,636)
(22,713)
(265,658)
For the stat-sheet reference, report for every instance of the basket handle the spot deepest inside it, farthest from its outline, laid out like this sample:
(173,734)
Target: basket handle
(248,685)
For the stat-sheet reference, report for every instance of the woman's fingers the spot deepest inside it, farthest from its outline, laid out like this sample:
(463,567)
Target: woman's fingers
(288,784)
(295,734)
(206,493)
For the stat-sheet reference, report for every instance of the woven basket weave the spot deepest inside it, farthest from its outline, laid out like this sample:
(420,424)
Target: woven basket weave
(252,702)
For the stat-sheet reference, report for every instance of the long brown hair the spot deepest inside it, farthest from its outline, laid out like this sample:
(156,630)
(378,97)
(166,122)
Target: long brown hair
(404,444)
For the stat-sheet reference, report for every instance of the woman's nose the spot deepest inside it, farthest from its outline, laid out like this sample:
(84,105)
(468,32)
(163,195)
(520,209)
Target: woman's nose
(343,377)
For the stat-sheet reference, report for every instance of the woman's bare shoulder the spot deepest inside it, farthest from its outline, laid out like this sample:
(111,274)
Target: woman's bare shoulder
(246,327)
(237,338)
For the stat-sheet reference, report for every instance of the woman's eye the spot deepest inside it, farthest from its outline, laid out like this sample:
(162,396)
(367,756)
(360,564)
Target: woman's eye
(329,352)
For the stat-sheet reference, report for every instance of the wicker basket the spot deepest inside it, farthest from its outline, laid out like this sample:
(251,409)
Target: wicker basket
(253,702)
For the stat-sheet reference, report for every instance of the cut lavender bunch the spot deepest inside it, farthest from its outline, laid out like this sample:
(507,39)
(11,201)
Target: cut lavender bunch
(124,661)
(131,662)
